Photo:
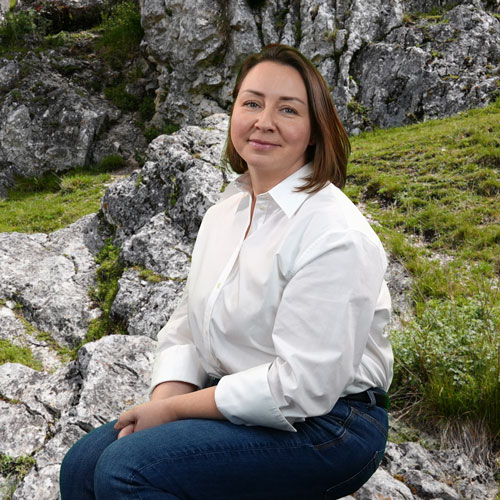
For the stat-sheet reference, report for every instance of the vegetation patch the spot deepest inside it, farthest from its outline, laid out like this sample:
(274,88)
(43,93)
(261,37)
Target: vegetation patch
(13,353)
(53,201)
(433,187)
(121,33)
(13,470)
(108,273)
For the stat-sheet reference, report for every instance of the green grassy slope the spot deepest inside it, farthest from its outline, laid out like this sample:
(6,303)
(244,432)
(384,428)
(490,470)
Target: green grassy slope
(435,190)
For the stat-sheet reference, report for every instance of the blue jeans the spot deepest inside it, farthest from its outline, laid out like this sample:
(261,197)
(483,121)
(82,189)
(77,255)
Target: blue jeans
(328,457)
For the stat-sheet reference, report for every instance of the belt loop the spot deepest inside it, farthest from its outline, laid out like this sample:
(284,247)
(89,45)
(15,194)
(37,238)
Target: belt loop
(371,395)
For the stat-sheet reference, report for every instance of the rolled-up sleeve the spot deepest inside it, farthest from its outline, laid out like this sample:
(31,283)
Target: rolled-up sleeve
(176,356)
(319,335)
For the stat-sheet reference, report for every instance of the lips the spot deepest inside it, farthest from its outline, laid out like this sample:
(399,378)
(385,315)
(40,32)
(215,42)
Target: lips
(262,145)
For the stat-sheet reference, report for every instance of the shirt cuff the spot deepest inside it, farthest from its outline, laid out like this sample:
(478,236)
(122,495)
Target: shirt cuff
(245,398)
(180,363)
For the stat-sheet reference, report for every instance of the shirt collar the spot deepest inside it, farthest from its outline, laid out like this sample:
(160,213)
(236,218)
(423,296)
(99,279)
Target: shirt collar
(284,194)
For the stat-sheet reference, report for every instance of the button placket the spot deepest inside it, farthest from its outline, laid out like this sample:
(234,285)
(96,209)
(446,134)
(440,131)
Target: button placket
(216,291)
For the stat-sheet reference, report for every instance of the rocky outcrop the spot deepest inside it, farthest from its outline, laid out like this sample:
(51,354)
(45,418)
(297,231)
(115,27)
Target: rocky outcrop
(44,412)
(385,66)
(52,118)
(48,277)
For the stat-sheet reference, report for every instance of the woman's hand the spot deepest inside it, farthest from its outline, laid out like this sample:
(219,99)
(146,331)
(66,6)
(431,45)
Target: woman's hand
(144,416)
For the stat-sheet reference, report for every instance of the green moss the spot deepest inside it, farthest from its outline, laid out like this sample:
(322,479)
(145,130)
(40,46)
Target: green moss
(109,272)
(13,353)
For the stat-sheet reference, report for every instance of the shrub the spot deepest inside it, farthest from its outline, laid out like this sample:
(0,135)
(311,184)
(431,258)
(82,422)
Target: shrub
(448,357)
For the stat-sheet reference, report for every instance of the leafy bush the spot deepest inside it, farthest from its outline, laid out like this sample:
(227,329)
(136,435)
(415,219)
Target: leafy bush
(448,356)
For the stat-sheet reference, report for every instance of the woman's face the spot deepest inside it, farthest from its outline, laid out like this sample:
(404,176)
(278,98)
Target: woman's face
(270,123)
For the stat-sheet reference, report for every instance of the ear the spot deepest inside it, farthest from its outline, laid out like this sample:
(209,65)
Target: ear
(312,141)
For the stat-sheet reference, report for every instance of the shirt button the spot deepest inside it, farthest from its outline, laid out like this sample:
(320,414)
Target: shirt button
(218,285)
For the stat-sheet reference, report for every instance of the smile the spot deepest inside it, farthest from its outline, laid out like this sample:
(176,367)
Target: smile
(262,145)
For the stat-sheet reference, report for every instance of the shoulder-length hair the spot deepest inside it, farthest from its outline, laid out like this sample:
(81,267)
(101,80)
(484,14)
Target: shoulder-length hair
(330,149)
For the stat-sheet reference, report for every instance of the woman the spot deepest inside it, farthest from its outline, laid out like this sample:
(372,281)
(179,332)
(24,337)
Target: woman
(270,377)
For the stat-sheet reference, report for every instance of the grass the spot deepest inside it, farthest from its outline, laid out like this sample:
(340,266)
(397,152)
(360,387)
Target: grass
(13,353)
(434,188)
(121,33)
(108,273)
(53,201)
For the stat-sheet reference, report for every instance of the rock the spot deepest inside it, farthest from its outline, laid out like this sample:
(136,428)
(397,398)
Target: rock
(383,485)
(52,119)
(14,330)
(109,376)
(49,275)
(383,70)
(21,433)
(426,70)
(115,373)
(145,307)
(182,178)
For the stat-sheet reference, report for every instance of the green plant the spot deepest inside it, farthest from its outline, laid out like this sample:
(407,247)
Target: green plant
(13,353)
(13,470)
(167,128)
(111,163)
(121,98)
(147,108)
(52,201)
(121,33)
(448,355)
(109,272)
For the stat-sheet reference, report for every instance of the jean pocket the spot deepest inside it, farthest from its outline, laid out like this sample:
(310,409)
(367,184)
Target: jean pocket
(355,482)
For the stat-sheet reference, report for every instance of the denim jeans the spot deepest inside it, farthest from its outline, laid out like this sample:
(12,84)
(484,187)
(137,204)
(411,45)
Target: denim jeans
(328,457)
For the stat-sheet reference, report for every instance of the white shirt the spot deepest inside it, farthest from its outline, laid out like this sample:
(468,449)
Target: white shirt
(291,317)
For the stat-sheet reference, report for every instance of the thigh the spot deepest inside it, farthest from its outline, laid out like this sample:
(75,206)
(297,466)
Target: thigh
(77,469)
(198,459)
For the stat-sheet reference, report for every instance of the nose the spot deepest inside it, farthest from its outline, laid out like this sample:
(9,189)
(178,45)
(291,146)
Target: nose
(265,120)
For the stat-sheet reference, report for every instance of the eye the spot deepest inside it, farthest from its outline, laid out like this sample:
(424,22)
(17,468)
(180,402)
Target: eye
(250,104)
(289,111)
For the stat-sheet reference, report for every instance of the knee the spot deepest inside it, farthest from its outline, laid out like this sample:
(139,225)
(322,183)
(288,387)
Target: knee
(113,471)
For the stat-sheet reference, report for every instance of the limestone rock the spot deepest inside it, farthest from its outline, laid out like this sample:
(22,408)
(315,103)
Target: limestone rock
(145,307)
(383,69)
(21,433)
(49,275)
(181,178)
(383,485)
(115,373)
(14,330)
(51,119)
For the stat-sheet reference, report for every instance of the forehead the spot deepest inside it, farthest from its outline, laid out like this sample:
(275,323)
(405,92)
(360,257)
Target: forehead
(274,79)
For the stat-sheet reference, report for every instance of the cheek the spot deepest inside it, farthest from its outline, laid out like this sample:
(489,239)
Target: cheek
(237,130)
(300,135)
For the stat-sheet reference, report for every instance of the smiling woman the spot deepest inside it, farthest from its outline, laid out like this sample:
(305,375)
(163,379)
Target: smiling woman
(270,377)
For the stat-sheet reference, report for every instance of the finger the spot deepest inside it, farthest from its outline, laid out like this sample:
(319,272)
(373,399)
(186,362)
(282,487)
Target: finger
(128,429)
(124,419)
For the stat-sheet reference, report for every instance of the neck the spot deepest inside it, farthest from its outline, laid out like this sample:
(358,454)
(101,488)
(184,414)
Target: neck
(262,182)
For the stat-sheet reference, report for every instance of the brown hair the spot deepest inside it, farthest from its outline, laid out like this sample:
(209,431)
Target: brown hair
(331,147)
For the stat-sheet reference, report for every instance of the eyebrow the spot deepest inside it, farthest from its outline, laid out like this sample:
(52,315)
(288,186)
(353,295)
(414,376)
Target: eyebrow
(282,98)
